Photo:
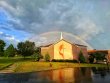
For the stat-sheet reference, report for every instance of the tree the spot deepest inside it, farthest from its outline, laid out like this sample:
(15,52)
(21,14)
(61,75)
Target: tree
(26,48)
(47,57)
(81,57)
(91,59)
(16,52)
(99,55)
(10,51)
(37,54)
(37,50)
(2,45)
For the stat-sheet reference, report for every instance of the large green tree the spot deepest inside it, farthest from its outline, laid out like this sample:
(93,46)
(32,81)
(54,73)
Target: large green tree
(26,48)
(2,45)
(10,51)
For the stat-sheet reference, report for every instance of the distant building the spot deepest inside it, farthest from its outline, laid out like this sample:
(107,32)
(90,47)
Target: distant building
(106,52)
(64,50)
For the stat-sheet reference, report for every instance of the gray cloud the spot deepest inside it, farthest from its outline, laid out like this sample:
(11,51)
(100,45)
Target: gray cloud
(43,15)
(38,16)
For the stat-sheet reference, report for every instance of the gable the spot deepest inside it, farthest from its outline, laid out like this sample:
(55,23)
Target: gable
(63,50)
(62,41)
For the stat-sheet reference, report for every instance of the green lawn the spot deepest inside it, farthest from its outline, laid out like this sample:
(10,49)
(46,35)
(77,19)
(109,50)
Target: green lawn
(40,66)
(28,65)
(5,62)
(2,66)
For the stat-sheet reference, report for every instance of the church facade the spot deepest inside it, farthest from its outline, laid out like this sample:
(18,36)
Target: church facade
(64,50)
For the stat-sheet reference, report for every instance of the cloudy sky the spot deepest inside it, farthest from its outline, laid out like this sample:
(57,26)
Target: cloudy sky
(24,19)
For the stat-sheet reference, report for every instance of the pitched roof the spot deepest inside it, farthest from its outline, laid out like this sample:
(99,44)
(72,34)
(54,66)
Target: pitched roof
(46,45)
(65,41)
(80,45)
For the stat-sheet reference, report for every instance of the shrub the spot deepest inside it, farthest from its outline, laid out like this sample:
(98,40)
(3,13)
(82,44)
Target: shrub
(47,57)
(36,56)
(81,57)
(91,59)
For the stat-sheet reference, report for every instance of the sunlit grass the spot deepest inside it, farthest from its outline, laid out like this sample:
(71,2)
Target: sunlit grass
(40,66)
(35,66)
(5,62)
(4,65)
(28,64)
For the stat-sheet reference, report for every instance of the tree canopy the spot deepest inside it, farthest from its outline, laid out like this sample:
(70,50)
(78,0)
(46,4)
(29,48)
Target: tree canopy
(10,51)
(26,48)
(2,45)
(98,55)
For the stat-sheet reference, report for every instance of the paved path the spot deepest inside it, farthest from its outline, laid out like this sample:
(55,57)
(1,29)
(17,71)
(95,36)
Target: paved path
(9,69)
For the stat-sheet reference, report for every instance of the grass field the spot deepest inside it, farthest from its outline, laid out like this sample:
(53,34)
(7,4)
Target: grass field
(4,65)
(5,62)
(28,65)
(39,66)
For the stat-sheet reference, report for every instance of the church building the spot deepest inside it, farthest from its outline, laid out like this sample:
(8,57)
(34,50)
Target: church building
(64,50)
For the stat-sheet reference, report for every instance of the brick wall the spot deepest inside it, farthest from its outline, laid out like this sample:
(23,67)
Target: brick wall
(84,51)
(49,50)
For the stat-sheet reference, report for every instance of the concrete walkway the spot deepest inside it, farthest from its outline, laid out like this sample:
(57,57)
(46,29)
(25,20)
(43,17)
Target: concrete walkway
(9,69)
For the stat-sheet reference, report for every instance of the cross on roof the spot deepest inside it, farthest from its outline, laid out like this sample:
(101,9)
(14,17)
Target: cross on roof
(61,36)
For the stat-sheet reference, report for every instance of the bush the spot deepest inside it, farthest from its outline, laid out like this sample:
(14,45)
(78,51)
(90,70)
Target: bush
(36,56)
(81,57)
(47,57)
(91,59)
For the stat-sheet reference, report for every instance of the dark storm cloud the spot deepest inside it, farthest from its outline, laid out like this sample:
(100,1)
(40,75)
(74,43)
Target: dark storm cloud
(85,18)
(44,14)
